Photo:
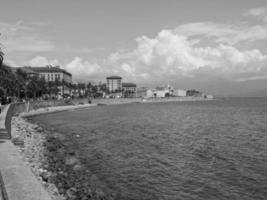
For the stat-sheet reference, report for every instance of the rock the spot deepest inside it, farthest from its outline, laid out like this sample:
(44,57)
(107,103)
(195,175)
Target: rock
(71,160)
(100,194)
(35,126)
(71,194)
(77,167)
(18,140)
(39,129)
(52,189)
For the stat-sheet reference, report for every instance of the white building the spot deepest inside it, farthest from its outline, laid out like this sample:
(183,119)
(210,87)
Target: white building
(160,93)
(52,73)
(114,84)
(179,93)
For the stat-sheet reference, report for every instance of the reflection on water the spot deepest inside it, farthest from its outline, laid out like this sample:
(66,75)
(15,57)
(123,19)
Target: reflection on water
(182,150)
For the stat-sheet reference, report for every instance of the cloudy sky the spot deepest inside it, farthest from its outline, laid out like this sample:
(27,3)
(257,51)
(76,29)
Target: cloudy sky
(212,45)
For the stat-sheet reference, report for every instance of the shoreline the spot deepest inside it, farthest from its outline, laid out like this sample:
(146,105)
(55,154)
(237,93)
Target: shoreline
(105,102)
(54,166)
(59,169)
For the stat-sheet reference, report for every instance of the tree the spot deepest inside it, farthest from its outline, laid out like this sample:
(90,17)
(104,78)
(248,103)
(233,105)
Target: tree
(81,87)
(21,83)
(1,55)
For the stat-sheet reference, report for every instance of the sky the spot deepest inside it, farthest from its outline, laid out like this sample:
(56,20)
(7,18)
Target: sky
(216,46)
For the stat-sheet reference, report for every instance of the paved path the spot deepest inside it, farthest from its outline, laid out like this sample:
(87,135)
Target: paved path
(19,181)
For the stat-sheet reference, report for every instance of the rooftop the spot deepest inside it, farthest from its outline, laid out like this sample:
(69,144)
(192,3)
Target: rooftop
(48,69)
(114,77)
(128,85)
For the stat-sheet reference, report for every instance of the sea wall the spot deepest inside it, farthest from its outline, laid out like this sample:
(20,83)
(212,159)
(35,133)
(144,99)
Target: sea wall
(15,109)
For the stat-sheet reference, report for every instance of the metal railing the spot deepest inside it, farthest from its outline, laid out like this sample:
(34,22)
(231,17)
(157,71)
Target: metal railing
(3,193)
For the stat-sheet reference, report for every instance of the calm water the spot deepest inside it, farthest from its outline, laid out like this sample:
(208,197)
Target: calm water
(181,150)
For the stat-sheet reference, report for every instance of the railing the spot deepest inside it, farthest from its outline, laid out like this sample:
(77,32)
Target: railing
(3,193)
(17,108)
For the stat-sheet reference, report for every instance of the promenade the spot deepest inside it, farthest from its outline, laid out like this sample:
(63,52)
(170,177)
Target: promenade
(19,182)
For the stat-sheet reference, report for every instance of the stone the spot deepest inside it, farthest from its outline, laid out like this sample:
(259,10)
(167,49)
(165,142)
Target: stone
(18,140)
(71,194)
(52,189)
(77,167)
(71,160)
(39,129)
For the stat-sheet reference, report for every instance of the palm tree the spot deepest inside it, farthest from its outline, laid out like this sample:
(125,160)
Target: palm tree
(1,55)
(21,82)
(6,78)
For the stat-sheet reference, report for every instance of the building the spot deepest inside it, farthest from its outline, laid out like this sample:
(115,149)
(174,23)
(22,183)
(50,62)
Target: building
(194,93)
(141,92)
(114,84)
(129,90)
(162,93)
(150,93)
(179,93)
(51,73)
(158,93)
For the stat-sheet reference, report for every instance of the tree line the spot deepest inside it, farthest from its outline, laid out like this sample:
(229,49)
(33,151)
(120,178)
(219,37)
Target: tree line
(16,83)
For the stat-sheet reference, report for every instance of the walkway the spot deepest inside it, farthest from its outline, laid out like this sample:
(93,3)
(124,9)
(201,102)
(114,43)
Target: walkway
(19,181)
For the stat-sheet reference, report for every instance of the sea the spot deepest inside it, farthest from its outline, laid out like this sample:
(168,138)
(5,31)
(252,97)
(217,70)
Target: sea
(199,150)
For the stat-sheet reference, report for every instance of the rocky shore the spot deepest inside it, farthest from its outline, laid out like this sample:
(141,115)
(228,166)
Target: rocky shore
(53,160)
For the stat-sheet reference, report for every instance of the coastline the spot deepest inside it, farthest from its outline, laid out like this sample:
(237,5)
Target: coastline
(82,104)
(53,165)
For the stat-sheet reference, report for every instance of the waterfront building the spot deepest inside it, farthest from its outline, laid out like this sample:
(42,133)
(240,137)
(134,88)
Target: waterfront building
(51,73)
(162,93)
(179,93)
(194,93)
(141,92)
(150,93)
(159,92)
(114,84)
(129,90)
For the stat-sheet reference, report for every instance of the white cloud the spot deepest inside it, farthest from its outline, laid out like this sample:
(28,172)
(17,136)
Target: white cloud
(222,33)
(171,55)
(261,13)
(23,38)
(198,50)
(40,61)
(84,70)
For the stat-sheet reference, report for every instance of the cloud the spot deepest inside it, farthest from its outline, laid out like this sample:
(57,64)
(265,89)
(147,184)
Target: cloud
(261,13)
(23,38)
(222,33)
(202,50)
(40,61)
(171,55)
(84,70)
(174,55)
